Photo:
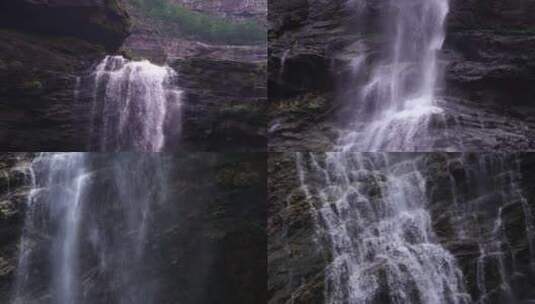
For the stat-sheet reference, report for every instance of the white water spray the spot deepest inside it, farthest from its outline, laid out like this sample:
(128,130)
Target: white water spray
(131,103)
(87,227)
(398,101)
(372,212)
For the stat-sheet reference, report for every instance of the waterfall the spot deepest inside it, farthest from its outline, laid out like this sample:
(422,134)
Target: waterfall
(86,229)
(371,212)
(132,103)
(397,102)
(422,228)
(284,58)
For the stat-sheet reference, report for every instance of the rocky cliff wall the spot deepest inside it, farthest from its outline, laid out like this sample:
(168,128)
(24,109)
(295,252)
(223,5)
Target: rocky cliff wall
(233,9)
(162,41)
(15,185)
(224,104)
(46,45)
(103,22)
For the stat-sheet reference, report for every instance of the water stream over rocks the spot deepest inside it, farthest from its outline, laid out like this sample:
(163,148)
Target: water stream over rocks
(421,228)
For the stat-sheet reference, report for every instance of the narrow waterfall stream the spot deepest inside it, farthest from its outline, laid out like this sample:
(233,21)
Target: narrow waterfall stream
(397,102)
(495,192)
(420,228)
(132,104)
(86,228)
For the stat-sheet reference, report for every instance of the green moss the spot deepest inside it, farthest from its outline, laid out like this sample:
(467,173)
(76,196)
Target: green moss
(32,85)
(127,53)
(202,26)
(237,176)
(307,104)
(6,268)
(243,108)
(6,209)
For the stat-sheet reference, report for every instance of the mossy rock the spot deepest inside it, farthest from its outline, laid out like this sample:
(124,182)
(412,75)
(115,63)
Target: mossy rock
(6,209)
(308,103)
(32,85)
(239,176)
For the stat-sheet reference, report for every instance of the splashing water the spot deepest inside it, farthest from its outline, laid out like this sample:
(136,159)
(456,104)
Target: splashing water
(132,101)
(371,210)
(397,102)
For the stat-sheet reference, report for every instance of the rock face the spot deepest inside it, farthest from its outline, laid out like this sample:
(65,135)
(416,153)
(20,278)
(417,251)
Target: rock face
(233,9)
(158,49)
(487,59)
(489,50)
(15,185)
(207,234)
(486,221)
(480,206)
(295,265)
(103,22)
(224,104)
(158,40)
(305,39)
(497,15)
(40,62)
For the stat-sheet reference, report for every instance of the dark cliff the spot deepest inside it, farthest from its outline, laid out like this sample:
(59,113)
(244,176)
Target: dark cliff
(224,104)
(101,22)
(234,9)
(14,190)
(46,45)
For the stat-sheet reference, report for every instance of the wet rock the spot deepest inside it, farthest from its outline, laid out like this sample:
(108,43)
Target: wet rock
(14,182)
(223,104)
(232,9)
(41,62)
(295,262)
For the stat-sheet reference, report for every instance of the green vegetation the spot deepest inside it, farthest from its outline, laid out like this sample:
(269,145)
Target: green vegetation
(33,85)
(203,26)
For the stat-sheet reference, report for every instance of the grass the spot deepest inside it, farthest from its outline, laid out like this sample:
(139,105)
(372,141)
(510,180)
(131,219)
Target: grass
(203,26)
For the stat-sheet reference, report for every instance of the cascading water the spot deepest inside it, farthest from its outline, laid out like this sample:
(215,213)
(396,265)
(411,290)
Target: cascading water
(371,210)
(132,103)
(86,229)
(397,102)
(422,228)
